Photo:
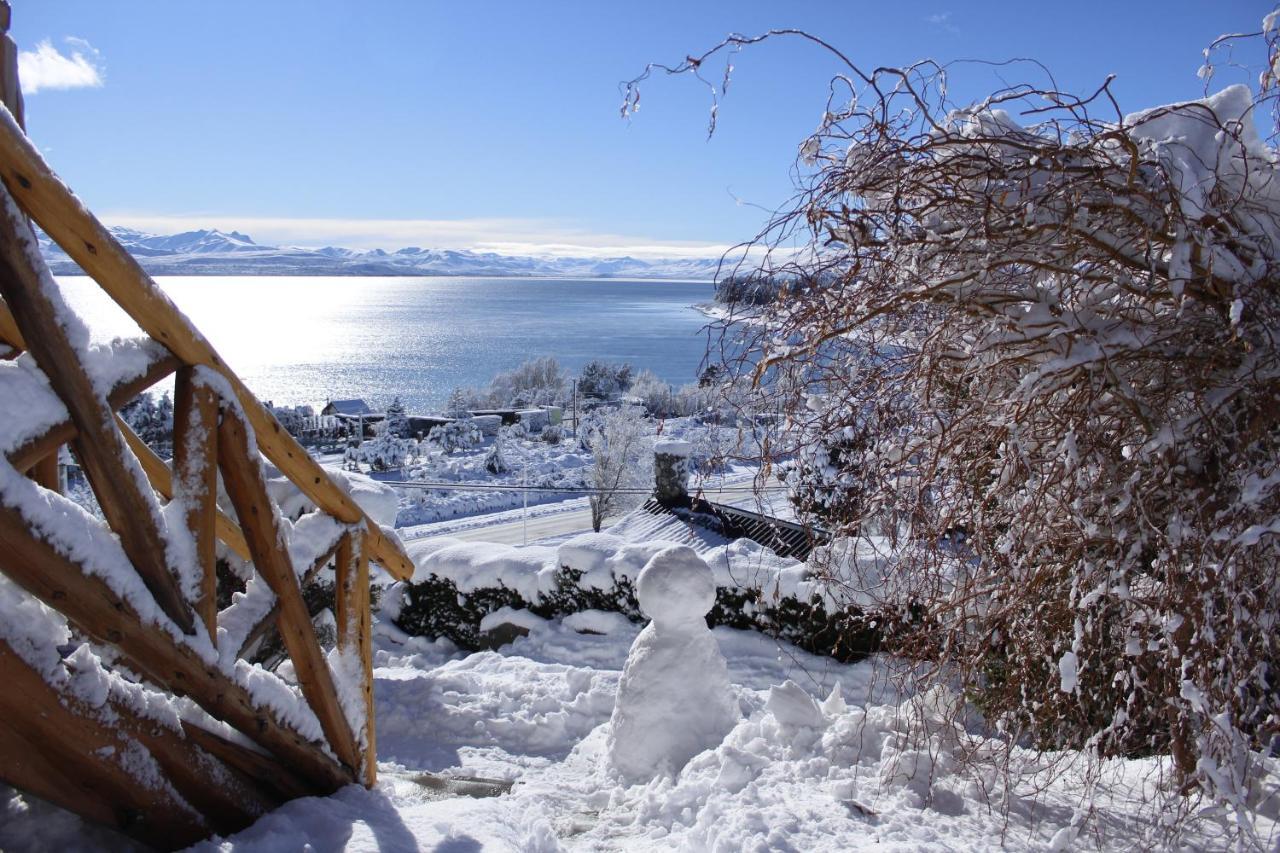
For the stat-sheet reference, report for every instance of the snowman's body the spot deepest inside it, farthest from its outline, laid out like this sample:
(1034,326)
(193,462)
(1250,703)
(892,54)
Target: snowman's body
(674,699)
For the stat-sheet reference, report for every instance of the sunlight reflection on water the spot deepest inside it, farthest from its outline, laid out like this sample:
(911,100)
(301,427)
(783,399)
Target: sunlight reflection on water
(306,339)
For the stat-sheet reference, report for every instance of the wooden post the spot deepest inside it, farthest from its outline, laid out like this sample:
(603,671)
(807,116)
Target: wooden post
(355,634)
(195,464)
(132,514)
(242,476)
(10,87)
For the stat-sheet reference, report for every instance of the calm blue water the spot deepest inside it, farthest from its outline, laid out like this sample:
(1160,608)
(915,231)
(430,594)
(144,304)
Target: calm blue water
(301,340)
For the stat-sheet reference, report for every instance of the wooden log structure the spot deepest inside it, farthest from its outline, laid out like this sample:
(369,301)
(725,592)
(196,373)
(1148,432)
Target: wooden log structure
(142,583)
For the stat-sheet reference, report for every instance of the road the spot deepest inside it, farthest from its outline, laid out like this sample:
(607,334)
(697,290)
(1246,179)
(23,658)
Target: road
(509,528)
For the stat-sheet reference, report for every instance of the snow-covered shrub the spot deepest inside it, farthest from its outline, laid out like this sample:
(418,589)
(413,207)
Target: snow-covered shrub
(537,382)
(552,434)
(604,380)
(385,452)
(151,418)
(494,462)
(456,435)
(1055,342)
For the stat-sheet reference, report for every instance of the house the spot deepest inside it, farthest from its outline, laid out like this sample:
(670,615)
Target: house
(350,408)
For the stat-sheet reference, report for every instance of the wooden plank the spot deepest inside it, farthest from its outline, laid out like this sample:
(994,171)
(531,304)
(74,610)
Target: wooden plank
(64,432)
(35,564)
(195,461)
(268,620)
(355,635)
(43,195)
(46,712)
(242,477)
(161,479)
(131,512)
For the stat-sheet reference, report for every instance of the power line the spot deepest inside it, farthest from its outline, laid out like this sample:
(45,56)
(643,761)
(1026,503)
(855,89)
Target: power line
(573,490)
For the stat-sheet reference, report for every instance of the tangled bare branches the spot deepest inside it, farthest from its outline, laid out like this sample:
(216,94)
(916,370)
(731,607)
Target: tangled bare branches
(1035,343)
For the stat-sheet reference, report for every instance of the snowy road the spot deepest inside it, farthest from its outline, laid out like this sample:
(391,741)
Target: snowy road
(566,518)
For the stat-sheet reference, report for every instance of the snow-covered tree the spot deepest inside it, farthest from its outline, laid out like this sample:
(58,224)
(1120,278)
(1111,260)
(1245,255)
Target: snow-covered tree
(622,459)
(494,462)
(1043,353)
(397,423)
(456,435)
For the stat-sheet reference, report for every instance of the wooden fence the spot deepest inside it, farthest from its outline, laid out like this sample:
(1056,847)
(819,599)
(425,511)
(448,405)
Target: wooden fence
(239,748)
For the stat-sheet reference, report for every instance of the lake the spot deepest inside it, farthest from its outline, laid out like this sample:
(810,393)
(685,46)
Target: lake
(306,339)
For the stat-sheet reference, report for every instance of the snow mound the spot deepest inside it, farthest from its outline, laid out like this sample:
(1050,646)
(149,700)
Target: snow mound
(673,447)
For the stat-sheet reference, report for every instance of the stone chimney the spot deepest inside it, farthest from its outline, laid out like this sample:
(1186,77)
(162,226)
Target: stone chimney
(671,472)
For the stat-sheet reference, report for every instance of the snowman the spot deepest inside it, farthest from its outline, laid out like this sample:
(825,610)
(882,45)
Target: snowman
(674,699)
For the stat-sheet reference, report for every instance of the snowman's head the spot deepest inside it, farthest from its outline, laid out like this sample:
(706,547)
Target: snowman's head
(676,589)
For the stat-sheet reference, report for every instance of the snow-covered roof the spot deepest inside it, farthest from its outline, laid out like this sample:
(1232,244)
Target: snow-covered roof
(347,407)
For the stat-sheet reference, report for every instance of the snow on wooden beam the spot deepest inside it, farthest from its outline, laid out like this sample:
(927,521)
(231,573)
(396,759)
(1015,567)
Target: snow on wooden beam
(245,485)
(161,479)
(59,724)
(65,432)
(36,565)
(56,747)
(195,459)
(131,512)
(43,195)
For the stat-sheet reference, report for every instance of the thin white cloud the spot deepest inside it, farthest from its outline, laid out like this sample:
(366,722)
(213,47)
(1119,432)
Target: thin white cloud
(506,236)
(47,68)
(943,19)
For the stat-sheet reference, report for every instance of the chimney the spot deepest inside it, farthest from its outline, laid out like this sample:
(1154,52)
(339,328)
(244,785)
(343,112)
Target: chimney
(671,473)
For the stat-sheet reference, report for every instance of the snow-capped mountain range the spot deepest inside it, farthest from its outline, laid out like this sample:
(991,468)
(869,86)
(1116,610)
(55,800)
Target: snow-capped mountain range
(213,252)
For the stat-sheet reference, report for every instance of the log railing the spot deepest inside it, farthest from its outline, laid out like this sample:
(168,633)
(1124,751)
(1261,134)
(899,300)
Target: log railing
(161,621)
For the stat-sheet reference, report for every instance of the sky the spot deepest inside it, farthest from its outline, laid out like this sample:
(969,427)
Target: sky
(495,125)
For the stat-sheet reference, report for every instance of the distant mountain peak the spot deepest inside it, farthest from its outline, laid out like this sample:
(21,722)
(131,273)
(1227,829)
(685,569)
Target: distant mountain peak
(210,251)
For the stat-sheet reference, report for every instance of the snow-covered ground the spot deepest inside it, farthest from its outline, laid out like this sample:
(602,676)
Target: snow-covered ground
(818,761)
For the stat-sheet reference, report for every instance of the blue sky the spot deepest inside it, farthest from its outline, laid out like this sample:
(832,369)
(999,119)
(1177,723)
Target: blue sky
(495,125)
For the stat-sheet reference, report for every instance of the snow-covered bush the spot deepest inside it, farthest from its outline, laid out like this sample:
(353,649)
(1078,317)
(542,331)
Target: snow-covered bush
(494,462)
(456,435)
(385,452)
(552,434)
(537,382)
(604,380)
(1048,349)
(151,418)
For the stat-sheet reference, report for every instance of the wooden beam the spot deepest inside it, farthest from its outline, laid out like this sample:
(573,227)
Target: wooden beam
(45,472)
(50,712)
(43,195)
(64,432)
(245,485)
(262,769)
(268,620)
(56,748)
(131,512)
(9,332)
(195,460)
(355,635)
(37,565)
(161,479)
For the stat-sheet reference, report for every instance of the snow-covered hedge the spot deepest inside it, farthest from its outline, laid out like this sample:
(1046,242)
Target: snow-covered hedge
(458,584)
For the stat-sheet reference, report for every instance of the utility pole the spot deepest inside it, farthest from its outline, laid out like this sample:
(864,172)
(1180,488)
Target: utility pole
(575,408)
(524,515)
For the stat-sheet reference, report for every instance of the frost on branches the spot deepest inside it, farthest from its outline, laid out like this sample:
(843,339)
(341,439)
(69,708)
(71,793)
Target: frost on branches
(1038,348)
